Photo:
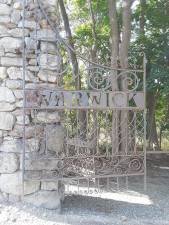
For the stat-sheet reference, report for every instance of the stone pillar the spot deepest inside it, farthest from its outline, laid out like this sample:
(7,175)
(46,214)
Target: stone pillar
(37,192)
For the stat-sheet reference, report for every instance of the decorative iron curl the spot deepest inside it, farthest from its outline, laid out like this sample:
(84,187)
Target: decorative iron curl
(135,164)
(129,80)
(99,78)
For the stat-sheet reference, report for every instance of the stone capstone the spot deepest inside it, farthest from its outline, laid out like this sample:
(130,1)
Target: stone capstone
(12,184)
(44,199)
(7,121)
(9,162)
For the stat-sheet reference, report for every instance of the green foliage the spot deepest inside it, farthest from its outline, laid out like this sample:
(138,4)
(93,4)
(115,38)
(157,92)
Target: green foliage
(154,42)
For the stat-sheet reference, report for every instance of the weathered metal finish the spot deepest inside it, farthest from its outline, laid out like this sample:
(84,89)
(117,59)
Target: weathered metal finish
(94,155)
(83,99)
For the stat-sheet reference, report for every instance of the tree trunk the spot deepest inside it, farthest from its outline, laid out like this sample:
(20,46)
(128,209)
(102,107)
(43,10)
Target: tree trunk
(124,47)
(81,115)
(142,17)
(114,41)
(152,128)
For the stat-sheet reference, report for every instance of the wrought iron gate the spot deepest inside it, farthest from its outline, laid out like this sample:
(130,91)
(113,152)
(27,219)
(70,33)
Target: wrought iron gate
(101,109)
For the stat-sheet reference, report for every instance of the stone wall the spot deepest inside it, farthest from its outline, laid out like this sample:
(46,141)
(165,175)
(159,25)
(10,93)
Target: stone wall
(40,193)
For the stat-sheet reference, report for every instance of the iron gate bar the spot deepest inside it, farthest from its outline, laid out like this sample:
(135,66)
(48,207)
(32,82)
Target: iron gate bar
(24,96)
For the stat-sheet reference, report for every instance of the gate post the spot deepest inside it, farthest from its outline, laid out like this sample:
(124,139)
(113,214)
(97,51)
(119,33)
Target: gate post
(12,117)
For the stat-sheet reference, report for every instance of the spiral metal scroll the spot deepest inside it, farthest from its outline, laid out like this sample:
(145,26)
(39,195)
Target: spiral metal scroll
(99,78)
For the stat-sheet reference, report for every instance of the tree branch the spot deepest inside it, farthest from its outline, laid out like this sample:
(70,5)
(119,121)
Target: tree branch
(114,33)
(94,48)
(126,32)
(70,42)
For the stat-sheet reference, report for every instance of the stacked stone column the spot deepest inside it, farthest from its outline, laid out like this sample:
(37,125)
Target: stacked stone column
(40,193)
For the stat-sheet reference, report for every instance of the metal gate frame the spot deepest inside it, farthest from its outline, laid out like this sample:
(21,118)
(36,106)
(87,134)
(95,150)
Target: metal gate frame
(90,164)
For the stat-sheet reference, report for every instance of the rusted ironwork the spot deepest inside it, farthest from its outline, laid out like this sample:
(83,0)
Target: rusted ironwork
(94,156)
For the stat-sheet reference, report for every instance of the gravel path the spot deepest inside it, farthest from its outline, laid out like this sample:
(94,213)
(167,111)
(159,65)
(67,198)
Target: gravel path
(133,207)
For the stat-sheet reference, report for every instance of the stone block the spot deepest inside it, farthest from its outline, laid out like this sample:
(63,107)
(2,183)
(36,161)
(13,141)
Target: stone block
(55,138)
(46,117)
(18,94)
(17,73)
(17,32)
(44,199)
(5,20)
(50,62)
(45,35)
(20,120)
(7,107)
(17,5)
(3,73)
(5,9)
(14,84)
(6,95)
(30,24)
(9,61)
(16,145)
(49,186)
(29,133)
(11,44)
(15,17)
(48,47)
(41,164)
(6,1)
(7,121)
(19,104)
(9,162)
(3,31)
(14,73)
(11,145)
(12,184)
(48,76)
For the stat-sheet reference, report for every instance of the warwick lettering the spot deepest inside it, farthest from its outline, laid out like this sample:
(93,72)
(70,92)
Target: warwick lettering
(75,99)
